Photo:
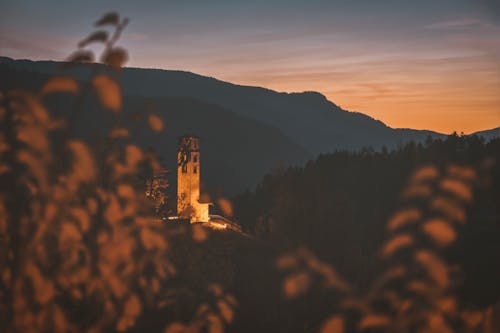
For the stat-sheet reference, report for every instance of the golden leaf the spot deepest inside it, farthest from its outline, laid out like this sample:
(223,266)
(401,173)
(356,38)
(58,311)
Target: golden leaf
(296,284)
(403,217)
(437,324)
(447,305)
(199,233)
(132,306)
(60,84)
(450,208)
(175,328)
(152,240)
(418,191)
(397,243)
(133,155)
(225,310)
(436,269)
(69,232)
(216,289)
(214,324)
(83,165)
(226,206)
(417,286)
(465,173)
(119,132)
(44,289)
(472,318)
(425,173)
(287,261)
(82,217)
(155,123)
(108,92)
(113,212)
(333,324)
(457,188)
(440,231)
(125,191)
(373,320)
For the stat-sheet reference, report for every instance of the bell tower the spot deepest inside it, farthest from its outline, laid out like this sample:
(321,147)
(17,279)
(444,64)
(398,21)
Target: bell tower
(188,181)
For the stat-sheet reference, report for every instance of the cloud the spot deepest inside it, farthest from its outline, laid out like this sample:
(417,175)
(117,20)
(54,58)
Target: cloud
(465,23)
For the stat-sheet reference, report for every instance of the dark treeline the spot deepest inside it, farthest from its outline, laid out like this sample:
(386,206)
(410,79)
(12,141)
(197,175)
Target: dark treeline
(339,204)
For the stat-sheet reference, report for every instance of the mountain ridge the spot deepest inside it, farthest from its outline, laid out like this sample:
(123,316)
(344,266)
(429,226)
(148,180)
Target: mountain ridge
(275,128)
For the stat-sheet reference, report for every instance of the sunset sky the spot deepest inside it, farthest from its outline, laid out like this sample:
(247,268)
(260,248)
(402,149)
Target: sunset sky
(427,64)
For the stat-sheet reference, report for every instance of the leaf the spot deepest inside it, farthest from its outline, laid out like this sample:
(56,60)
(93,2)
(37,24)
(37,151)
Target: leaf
(84,169)
(226,206)
(111,18)
(70,233)
(132,306)
(44,289)
(450,208)
(81,56)
(175,328)
(440,231)
(133,155)
(404,217)
(125,191)
(115,57)
(155,123)
(465,173)
(373,320)
(119,132)
(60,84)
(438,324)
(334,324)
(396,243)
(296,284)
(97,36)
(226,311)
(457,188)
(435,267)
(199,233)
(425,173)
(151,240)
(108,92)
(287,261)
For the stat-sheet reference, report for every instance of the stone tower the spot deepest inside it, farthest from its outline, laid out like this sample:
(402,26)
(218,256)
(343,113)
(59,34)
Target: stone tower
(188,181)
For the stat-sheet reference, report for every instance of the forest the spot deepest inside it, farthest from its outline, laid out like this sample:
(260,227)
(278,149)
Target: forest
(340,203)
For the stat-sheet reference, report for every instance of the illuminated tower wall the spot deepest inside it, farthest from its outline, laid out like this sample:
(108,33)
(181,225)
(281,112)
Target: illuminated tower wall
(188,181)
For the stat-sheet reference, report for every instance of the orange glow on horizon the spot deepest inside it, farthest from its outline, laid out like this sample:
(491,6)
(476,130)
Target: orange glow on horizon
(449,96)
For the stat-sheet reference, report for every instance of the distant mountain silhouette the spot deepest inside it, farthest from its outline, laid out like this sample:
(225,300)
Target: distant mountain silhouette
(489,134)
(308,118)
(236,150)
(246,131)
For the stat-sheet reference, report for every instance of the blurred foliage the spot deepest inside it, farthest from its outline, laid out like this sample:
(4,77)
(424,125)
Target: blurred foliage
(83,247)
(80,247)
(439,266)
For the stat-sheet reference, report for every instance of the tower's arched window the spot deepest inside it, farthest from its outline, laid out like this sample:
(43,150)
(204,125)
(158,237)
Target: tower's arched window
(195,169)
(195,158)
(184,168)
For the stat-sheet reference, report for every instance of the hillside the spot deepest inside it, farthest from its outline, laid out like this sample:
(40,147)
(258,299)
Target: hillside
(308,118)
(236,150)
(246,131)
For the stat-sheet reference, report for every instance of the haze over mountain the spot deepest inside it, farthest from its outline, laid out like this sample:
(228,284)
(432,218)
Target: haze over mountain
(245,131)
